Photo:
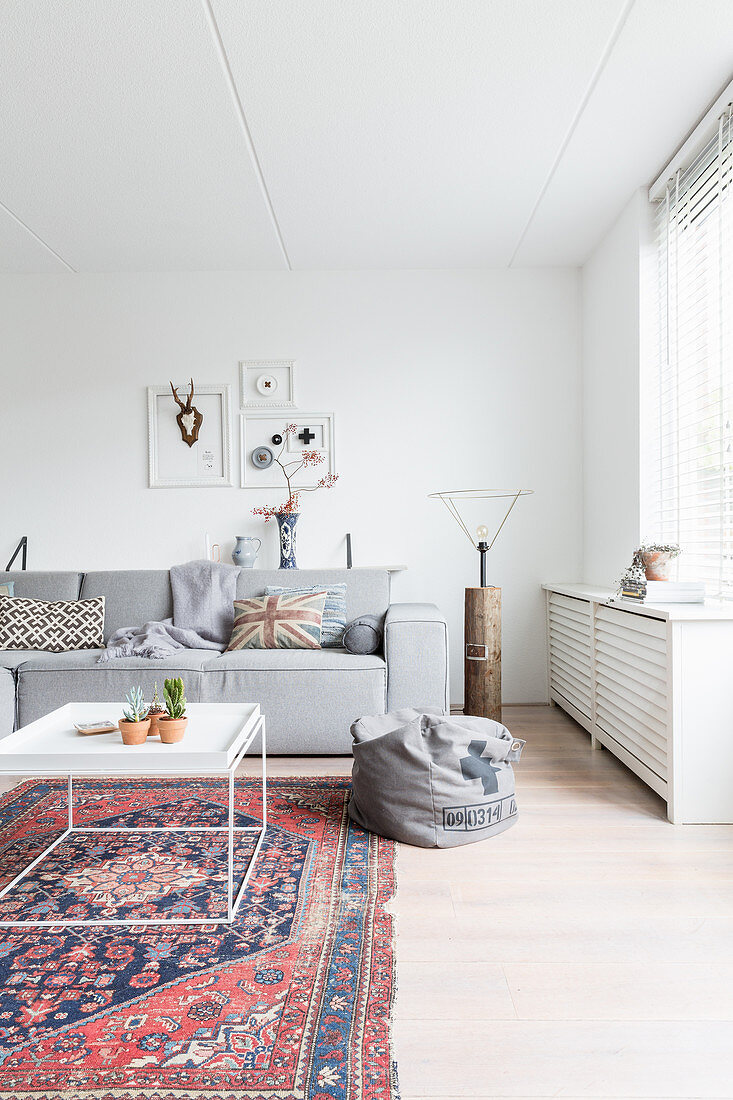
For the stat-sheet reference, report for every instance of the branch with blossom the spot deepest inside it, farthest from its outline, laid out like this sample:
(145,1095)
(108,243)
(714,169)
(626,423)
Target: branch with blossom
(290,470)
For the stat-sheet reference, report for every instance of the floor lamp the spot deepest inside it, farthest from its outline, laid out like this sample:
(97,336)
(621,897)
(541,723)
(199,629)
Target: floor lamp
(482,615)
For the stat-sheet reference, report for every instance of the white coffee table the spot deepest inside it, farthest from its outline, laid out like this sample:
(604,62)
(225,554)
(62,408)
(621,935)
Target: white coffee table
(217,737)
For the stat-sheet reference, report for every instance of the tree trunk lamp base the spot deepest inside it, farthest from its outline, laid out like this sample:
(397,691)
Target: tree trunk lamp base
(482,657)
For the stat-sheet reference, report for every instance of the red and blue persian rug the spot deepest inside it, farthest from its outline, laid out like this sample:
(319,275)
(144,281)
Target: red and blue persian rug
(292,1000)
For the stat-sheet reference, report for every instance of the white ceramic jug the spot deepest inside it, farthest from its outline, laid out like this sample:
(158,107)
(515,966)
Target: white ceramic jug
(244,554)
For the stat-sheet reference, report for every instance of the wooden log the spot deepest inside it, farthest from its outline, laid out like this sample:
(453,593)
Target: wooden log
(482,655)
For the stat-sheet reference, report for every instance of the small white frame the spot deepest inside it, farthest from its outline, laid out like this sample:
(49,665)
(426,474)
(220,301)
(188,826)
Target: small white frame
(249,369)
(252,424)
(222,439)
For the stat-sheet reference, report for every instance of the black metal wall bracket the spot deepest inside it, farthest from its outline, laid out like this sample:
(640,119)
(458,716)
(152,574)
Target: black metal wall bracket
(21,548)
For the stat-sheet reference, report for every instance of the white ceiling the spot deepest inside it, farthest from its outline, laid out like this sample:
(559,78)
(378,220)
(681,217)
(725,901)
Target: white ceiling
(261,134)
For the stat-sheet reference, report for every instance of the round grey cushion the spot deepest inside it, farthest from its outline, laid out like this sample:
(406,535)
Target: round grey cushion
(363,635)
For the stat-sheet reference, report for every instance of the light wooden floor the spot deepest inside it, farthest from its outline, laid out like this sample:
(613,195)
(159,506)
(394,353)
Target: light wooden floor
(587,952)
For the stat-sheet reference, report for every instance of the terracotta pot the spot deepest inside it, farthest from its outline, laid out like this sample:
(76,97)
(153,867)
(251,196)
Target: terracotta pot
(134,733)
(658,564)
(154,716)
(172,729)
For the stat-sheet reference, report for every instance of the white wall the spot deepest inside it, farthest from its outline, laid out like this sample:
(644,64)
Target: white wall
(438,380)
(612,339)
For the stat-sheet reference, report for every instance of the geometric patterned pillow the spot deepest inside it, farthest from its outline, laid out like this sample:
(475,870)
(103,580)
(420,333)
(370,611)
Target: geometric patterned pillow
(53,626)
(278,622)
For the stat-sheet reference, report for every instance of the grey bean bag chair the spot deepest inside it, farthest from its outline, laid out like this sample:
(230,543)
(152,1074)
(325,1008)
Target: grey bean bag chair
(432,779)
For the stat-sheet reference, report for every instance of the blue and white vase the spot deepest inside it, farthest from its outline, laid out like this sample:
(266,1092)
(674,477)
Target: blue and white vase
(287,521)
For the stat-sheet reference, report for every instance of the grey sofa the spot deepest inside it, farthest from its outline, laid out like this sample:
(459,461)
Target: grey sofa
(310,697)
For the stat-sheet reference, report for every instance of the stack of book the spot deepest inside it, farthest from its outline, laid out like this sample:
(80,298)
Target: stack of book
(675,592)
(633,590)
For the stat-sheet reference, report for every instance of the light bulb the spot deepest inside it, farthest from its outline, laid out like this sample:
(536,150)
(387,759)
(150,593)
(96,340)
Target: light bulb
(482,532)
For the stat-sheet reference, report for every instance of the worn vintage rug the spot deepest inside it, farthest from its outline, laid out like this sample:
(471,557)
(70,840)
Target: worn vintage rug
(292,1000)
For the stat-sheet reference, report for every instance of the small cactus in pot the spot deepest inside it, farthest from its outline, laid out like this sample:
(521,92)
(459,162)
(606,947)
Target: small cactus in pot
(172,724)
(156,710)
(134,724)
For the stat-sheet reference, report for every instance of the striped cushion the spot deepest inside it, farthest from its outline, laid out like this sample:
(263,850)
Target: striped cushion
(334,613)
(286,621)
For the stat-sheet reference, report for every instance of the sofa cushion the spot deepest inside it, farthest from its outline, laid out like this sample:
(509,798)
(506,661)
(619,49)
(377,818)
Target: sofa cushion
(334,611)
(12,658)
(367,590)
(55,626)
(7,588)
(133,596)
(309,697)
(48,680)
(278,622)
(7,702)
(293,660)
(44,586)
(363,635)
(79,659)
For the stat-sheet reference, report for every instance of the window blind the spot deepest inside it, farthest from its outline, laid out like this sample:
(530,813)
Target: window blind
(689,454)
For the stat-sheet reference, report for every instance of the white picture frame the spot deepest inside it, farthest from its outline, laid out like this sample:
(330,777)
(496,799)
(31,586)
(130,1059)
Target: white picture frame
(257,428)
(280,371)
(172,464)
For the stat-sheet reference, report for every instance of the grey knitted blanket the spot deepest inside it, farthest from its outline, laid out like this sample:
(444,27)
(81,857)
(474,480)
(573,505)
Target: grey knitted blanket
(203,615)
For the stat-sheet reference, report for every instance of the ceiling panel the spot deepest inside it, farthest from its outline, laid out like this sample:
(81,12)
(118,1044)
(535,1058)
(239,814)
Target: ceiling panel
(120,144)
(21,253)
(671,59)
(412,134)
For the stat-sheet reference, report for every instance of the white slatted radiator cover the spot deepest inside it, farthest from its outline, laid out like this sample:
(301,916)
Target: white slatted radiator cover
(653,684)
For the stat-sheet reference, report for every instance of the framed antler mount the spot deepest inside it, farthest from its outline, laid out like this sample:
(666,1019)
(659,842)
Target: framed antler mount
(205,428)
(189,419)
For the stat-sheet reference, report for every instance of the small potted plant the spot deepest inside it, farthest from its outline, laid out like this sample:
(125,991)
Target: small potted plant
(156,709)
(172,724)
(657,558)
(134,724)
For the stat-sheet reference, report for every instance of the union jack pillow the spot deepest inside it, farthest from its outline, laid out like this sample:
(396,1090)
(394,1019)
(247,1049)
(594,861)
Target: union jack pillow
(285,621)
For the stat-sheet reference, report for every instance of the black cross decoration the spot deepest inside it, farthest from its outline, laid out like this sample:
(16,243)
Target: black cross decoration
(307,435)
(476,766)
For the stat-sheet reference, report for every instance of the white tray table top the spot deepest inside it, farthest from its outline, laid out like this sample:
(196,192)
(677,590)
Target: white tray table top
(214,737)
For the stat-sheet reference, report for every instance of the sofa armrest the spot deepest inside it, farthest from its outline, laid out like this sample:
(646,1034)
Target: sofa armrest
(416,651)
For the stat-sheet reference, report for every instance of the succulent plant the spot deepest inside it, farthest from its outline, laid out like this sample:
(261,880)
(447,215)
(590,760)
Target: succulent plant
(175,700)
(156,707)
(135,709)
